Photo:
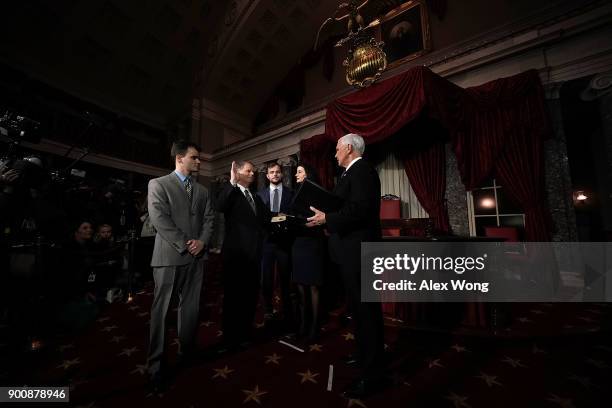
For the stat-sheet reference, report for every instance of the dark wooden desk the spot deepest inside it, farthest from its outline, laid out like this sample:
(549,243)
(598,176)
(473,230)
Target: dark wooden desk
(471,315)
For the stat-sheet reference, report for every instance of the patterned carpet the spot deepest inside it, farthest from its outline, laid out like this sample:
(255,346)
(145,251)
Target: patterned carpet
(551,356)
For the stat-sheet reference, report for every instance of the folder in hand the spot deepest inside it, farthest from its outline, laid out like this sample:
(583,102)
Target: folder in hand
(311,194)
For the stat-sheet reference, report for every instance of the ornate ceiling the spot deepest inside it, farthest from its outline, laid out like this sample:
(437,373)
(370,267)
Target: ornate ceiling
(148,59)
(259,42)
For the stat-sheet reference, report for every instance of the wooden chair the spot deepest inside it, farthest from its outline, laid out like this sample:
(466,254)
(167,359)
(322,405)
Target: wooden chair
(390,210)
(509,233)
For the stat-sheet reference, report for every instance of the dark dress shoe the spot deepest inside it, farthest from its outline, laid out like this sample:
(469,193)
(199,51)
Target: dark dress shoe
(365,387)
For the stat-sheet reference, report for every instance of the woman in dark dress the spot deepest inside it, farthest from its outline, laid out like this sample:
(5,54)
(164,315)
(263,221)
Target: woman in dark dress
(307,256)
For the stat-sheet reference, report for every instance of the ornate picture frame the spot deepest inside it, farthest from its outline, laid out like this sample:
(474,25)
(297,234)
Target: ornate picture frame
(405,32)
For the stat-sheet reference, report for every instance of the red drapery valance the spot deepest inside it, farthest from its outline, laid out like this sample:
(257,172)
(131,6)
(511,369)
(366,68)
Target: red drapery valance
(491,127)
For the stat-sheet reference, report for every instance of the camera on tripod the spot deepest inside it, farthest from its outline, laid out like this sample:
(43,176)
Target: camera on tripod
(19,128)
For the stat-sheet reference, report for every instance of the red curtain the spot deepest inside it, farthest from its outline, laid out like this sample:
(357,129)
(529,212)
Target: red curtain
(520,171)
(504,127)
(481,121)
(426,171)
(318,152)
(490,115)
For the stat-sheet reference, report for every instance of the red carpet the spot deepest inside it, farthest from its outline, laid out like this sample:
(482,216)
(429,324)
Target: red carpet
(568,364)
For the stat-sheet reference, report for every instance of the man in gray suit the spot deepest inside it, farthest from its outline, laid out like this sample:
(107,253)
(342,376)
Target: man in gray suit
(181,211)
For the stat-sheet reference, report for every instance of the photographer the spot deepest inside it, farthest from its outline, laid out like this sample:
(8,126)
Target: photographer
(108,259)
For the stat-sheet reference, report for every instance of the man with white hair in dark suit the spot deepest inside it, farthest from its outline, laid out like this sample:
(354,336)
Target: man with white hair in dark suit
(357,221)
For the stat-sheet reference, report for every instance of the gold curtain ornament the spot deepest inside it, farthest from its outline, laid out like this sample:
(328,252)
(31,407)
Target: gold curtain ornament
(365,63)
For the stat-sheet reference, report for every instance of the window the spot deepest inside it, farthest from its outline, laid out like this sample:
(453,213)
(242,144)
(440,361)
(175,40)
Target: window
(490,206)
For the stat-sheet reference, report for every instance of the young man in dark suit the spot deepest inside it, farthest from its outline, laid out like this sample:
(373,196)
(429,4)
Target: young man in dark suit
(181,211)
(357,221)
(246,220)
(277,246)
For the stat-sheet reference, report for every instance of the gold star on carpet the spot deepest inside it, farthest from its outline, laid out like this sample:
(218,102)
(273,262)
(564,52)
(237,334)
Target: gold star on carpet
(117,339)
(259,325)
(273,358)
(490,380)
(219,333)
(348,336)
(562,402)
(66,364)
(207,323)
(308,376)
(140,369)
(109,328)
(222,372)
(524,320)
(356,403)
(128,351)
(65,347)
(435,363)
(458,400)
(458,348)
(253,395)
(315,347)
(513,362)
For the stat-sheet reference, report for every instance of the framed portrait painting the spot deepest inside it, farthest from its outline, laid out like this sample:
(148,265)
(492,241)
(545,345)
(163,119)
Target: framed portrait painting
(405,32)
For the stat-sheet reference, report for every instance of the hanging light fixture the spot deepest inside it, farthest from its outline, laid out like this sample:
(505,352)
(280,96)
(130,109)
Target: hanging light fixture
(366,60)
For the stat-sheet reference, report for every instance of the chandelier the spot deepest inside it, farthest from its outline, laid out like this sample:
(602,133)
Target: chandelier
(366,60)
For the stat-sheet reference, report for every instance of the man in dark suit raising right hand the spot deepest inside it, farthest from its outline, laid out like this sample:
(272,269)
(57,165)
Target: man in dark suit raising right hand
(246,219)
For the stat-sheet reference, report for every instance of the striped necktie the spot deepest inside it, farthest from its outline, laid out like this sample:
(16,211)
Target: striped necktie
(189,188)
(250,200)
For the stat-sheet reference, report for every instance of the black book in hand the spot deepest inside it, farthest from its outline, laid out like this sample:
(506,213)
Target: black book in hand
(310,194)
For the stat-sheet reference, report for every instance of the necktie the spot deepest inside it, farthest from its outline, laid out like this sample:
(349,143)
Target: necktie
(275,201)
(250,200)
(189,188)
